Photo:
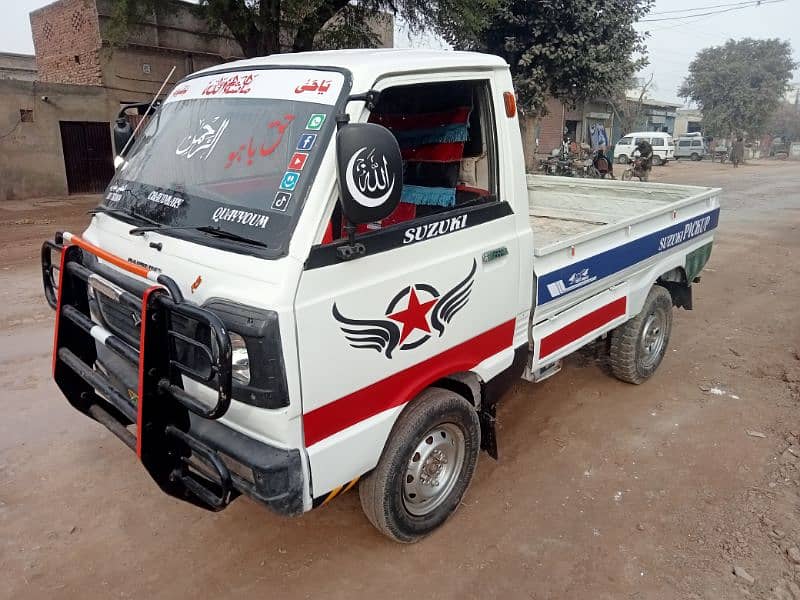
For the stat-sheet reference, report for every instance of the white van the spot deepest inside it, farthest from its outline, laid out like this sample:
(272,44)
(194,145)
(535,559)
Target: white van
(663,146)
(691,146)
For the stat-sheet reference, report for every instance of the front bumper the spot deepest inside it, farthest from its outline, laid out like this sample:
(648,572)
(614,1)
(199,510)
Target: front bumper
(185,449)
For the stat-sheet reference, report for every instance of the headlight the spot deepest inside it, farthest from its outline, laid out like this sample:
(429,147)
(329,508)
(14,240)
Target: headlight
(241,360)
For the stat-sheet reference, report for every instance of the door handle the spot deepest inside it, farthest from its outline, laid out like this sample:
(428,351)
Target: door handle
(495,254)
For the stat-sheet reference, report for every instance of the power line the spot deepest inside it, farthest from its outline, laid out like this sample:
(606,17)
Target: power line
(696,8)
(752,4)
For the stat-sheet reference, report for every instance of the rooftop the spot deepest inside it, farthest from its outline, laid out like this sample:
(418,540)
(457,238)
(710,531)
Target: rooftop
(653,101)
(13,60)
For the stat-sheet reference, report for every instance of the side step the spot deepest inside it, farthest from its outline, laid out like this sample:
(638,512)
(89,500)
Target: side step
(542,373)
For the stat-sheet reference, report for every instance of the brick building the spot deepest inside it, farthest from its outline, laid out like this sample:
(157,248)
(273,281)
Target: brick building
(73,46)
(545,134)
(575,122)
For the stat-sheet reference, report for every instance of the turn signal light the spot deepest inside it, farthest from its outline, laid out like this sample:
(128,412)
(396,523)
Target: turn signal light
(511,104)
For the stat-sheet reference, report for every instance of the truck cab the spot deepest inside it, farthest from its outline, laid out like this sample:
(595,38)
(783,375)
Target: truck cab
(318,270)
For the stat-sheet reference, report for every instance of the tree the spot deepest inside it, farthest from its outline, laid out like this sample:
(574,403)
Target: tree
(785,122)
(739,85)
(263,27)
(573,50)
(628,110)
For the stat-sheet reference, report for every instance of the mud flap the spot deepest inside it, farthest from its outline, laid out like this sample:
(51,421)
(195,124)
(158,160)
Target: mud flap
(488,420)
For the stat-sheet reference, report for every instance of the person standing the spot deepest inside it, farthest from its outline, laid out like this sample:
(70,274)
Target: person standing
(737,152)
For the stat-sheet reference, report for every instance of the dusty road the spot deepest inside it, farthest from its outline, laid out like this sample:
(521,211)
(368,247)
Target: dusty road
(604,490)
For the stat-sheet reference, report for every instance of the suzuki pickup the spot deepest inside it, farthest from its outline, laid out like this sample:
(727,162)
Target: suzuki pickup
(318,271)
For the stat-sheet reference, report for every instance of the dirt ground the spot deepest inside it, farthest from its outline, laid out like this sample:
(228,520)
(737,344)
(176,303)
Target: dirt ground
(603,490)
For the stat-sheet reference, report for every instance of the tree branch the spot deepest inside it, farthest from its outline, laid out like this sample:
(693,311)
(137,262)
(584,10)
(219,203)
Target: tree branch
(313,22)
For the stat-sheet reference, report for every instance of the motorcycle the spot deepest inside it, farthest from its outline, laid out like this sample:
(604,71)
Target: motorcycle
(560,162)
(597,166)
(636,169)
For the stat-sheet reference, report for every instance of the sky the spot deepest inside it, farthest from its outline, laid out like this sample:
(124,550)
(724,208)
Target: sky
(672,43)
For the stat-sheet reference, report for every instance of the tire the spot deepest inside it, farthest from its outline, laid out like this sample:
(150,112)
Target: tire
(398,497)
(627,174)
(695,156)
(622,159)
(638,346)
(657,160)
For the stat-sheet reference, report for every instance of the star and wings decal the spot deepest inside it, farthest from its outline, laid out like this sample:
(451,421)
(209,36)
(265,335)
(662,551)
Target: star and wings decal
(426,311)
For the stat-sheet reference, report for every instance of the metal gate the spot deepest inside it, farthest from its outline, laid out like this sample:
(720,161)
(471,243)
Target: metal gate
(88,158)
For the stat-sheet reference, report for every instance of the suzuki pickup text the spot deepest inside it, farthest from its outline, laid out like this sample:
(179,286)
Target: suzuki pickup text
(318,270)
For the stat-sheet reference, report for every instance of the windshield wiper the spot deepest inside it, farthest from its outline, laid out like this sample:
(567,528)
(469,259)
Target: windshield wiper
(122,211)
(210,229)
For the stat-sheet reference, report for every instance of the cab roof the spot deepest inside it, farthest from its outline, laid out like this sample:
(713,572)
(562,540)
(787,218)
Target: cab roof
(368,65)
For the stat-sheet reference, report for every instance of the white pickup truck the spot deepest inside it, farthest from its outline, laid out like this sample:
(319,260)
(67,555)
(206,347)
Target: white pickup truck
(322,269)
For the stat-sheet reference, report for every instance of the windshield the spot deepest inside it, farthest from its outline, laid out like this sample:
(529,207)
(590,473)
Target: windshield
(236,151)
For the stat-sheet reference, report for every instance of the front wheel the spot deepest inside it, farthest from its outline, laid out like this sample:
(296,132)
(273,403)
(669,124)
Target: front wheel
(425,468)
(695,156)
(657,160)
(638,346)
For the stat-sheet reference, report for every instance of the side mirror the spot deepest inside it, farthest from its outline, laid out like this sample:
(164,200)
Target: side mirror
(123,132)
(370,169)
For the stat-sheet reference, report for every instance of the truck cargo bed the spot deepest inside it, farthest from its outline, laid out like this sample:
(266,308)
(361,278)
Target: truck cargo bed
(565,211)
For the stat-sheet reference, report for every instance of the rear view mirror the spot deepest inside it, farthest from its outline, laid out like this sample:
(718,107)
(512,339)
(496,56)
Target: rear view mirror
(123,132)
(370,169)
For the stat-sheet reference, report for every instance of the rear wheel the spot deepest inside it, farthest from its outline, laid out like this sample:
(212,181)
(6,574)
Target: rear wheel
(638,346)
(657,160)
(426,467)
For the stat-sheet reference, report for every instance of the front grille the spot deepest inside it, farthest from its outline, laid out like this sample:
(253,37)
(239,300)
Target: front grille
(119,319)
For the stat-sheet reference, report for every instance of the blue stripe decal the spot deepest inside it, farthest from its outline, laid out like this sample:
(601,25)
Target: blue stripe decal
(563,281)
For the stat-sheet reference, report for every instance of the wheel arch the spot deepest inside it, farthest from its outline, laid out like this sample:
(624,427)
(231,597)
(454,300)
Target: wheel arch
(464,383)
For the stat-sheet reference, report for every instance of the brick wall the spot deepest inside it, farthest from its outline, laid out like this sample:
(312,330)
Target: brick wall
(66,35)
(551,127)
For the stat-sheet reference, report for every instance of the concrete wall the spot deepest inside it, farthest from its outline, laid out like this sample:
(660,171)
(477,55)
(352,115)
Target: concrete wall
(136,72)
(31,155)
(685,118)
(17,66)
(175,26)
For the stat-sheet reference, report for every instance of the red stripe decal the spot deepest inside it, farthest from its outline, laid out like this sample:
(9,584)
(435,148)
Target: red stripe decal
(140,390)
(401,387)
(583,326)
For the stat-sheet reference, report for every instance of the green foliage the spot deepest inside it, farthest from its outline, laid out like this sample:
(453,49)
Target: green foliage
(268,26)
(573,50)
(786,122)
(739,86)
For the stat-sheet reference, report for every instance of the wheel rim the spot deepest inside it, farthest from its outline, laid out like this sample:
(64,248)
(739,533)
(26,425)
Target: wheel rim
(657,160)
(433,469)
(653,338)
